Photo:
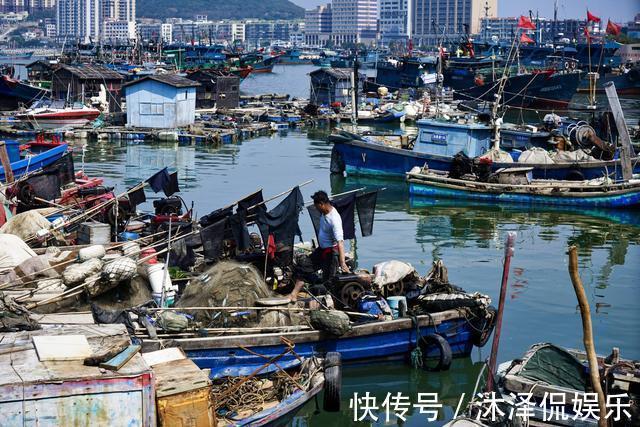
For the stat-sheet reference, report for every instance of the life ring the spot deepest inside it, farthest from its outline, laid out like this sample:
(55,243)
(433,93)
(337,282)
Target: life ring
(481,331)
(427,343)
(332,381)
(566,65)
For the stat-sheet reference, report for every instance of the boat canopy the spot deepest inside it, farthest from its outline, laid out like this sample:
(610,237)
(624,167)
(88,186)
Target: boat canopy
(553,365)
(442,138)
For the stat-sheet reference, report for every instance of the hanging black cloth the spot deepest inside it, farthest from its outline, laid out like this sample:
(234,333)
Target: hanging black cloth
(45,185)
(251,201)
(137,197)
(212,238)
(216,216)
(366,204)
(171,186)
(238,226)
(182,255)
(282,223)
(159,180)
(345,205)
(64,168)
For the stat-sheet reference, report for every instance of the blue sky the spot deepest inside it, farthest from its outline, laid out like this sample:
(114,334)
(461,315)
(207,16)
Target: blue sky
(623,11)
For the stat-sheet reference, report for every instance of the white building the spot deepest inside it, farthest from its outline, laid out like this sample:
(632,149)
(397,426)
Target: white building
(354,21)
(78,19)
(452,18)
(119,31)
(393,20)
(50,31)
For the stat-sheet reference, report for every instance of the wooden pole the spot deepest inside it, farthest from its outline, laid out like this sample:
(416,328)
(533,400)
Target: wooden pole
(587,333)
(6,163)
(508,253)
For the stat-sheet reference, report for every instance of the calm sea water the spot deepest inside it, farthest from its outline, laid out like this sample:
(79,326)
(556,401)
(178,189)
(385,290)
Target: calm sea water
(541,304)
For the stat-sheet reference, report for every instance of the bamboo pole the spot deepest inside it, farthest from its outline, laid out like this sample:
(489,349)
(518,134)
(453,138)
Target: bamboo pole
(587,333)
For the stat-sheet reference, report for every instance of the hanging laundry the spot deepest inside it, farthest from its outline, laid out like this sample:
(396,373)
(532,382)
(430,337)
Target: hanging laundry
(212,238)
(345,205)
(282,223)
(238,226)
(159,180)
(216,216)
(366,204)
(172,186)
(137,197)
(250,202)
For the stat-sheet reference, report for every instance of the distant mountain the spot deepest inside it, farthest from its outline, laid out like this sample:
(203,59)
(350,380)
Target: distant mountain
(219,9)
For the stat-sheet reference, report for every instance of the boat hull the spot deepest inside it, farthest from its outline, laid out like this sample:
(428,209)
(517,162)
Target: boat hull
(13,93)
(67,119)
(36,162)
(435,189)
(365,158)
(242,354)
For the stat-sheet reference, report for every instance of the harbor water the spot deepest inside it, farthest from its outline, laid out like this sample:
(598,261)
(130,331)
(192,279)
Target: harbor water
(541,304)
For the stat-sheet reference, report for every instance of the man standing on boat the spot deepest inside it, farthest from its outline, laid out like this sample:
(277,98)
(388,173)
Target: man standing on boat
(330,244)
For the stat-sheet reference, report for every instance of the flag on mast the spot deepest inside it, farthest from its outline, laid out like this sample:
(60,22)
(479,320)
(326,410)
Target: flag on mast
(591,17)
(613,29)
(525,23)
(524,38)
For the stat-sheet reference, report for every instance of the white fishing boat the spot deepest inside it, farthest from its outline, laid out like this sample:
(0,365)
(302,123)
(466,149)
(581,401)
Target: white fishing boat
(47,114)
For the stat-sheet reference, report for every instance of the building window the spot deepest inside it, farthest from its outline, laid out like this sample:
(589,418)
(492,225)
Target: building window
(151,109)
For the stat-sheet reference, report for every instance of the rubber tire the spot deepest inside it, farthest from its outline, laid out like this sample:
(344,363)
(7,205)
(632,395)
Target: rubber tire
(446,355)
(478,338)
(337,164)
(332,382)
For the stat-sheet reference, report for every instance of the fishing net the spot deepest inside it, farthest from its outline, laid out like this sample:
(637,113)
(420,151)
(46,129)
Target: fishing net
(225,284)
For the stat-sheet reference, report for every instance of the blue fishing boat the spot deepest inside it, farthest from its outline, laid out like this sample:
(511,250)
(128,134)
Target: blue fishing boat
(237,355)
(20,165)
(437,143)
(541,192)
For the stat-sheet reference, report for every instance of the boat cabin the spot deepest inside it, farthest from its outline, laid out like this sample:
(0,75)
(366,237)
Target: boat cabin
(166,101)
(441,138)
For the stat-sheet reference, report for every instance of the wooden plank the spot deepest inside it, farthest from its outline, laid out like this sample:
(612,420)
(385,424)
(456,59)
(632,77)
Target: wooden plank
(61,347)
(162,356)
(623,132)
(118,362)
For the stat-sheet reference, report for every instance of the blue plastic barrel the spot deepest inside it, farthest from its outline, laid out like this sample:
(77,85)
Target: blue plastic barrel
(394,304)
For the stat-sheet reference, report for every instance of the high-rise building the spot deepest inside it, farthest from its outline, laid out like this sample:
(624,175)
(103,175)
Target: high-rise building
(435,20)
(393,20)
(317,25)
(87,19)
(78,20)
(354,21)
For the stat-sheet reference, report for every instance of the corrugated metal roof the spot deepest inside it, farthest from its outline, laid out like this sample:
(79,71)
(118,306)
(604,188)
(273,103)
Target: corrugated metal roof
(169,79)
(92,71)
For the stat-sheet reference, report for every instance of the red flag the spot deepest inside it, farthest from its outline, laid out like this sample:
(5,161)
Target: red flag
(592,18)
(526,23)
(526,39)
(613,29)
(587,34)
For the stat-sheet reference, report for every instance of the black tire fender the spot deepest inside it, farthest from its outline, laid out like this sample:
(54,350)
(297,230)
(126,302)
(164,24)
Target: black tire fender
(332,381)
(481,331)
(427,342)
(337,162)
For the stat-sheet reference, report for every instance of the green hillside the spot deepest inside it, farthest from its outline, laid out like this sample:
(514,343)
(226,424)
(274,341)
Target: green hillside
(217,9)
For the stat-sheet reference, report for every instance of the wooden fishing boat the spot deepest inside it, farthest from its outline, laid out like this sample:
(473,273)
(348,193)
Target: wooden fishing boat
(20,166)
(542,192)
(240,354)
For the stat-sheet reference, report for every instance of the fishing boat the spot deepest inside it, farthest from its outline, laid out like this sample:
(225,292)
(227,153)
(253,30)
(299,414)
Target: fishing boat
(47,114)
(438,141)
(21,165)
(14,92)
(241,354)
(514,185)
(549,369)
